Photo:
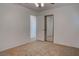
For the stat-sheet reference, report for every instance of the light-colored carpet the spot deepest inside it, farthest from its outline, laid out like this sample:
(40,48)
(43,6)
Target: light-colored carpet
(39,48)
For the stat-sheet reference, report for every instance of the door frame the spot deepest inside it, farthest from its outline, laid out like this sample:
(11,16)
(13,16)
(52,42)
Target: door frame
(45,27)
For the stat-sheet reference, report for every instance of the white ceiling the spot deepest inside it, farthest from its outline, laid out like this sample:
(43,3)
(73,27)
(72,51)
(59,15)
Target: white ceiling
(33,7)
(46,6)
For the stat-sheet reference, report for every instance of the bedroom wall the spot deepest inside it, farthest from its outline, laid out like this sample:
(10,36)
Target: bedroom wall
(66,24)
(14,25)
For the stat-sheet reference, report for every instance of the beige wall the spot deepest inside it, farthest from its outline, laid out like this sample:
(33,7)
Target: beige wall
(66,32)
(14,25)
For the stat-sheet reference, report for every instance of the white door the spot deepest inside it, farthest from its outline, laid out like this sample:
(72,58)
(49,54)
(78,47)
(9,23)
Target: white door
(40,28)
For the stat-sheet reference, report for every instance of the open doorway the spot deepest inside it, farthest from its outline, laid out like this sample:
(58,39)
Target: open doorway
(33,27)
(49,28)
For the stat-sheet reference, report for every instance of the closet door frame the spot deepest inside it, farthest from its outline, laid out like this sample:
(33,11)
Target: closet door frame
(45,27)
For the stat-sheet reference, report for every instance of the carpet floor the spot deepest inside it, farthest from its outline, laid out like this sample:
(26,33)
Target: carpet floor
(39,48)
